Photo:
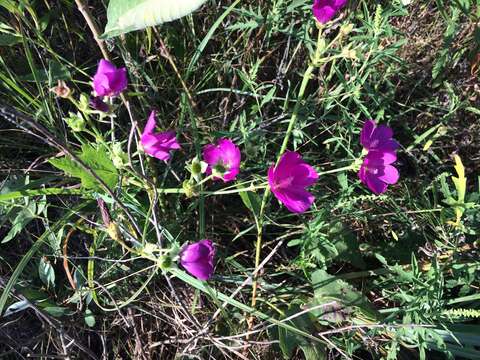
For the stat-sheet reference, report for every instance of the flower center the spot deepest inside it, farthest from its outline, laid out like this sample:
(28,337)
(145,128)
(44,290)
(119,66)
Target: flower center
(283,183)
(373,171)
(374,143)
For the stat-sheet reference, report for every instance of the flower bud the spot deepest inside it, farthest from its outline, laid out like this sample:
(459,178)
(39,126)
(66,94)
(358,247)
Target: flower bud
(189,188)
(114,232)
(197,168)
(346,29)
(62,90)
(119,157)
(349,54)
(165,262)
(83,102)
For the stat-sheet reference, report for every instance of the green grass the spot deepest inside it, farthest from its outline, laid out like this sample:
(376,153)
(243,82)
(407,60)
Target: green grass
(393,276)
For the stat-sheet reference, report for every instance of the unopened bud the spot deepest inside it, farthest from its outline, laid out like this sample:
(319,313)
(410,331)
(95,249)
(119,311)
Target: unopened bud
(346,29)
(165,262)
(119,157)
(61,90)
(197,168)
(349,54)
(189,188)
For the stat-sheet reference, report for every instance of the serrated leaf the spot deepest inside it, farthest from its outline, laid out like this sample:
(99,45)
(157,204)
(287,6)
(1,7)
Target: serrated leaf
(95,158)
(130,15)
(21,220)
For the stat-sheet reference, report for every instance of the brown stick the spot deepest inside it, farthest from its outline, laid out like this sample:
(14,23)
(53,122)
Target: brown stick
(83,8)
(65,259)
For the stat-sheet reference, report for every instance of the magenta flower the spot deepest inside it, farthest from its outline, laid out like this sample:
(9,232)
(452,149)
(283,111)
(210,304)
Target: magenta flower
(377,172)
(377,138)
(160,144)
(289,179)
(198,258)
(109,81)
(223,159)
(97,103)
(325,10)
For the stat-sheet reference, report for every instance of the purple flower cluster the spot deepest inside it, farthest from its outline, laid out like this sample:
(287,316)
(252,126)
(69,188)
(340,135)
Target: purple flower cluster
(377,171)
(288,179)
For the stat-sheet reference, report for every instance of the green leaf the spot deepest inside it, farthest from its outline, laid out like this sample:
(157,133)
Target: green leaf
(96,159)
(56,71)
(89,318)
(56,311)
(251,200)
(46,272)
(341,298)
(9,39)
(21,220)
(289,341)
(130,15)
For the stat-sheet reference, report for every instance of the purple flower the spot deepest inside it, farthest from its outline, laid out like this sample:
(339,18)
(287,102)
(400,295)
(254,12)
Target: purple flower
(377,138)
(158,144)
(289,179)
(197,259)
(223,159)
(97,103)
(377,172)
(109,81)
(325,10)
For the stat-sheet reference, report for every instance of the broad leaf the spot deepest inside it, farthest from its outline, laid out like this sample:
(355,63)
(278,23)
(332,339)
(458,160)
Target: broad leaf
(289,341)
(96,159)
(46,272)
(129,15)
(340,299)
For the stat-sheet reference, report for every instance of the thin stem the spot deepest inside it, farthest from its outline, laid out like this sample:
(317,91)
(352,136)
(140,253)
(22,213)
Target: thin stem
(333,171)
(293,120)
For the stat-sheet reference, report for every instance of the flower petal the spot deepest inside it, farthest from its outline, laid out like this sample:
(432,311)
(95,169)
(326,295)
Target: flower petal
(366,133)
(198,259)
(382,133)
(389,174)
(295,199)
(105,66)
(324,13)
(151,123)
(379,158)
(375,184)
(304,175)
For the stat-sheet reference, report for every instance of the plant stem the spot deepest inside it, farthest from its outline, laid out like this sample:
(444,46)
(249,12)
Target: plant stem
(333,171)
(293,120)
(82,7)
